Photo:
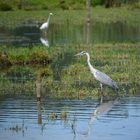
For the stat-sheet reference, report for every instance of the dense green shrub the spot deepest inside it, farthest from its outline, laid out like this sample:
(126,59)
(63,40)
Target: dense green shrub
(97,2)
(4,60)
(136,5)
(5,7)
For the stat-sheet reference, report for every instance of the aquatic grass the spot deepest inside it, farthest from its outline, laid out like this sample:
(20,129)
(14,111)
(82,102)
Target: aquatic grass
(23,56)
(4,60)
(120,65)
(119,61)
(39,55)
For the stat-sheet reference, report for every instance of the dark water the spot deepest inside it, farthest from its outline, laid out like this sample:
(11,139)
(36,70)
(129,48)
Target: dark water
(24,118)
(60,34)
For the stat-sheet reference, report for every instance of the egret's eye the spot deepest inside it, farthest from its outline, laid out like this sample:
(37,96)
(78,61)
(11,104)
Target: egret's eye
(82,52)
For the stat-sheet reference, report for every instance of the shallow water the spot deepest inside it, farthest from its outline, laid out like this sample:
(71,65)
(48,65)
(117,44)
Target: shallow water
(63,34)
(24,118)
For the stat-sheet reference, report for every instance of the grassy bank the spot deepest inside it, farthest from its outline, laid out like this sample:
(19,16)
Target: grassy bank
(119,61)
(98,14)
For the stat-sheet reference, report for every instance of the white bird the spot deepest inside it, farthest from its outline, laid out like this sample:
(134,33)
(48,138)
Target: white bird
(44,42)
(46,24)
(99,76)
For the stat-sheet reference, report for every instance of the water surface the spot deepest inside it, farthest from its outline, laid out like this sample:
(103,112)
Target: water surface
(68,33)
(24,118)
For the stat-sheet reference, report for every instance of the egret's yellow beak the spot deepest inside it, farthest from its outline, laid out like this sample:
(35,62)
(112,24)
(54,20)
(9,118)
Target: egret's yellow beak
(77,54)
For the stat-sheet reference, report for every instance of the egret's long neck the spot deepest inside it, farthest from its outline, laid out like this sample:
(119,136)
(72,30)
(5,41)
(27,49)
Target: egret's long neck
(92,69)
(48,20)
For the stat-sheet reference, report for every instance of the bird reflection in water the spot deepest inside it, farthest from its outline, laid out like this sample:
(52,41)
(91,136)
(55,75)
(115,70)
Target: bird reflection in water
(101,109)
(44,41)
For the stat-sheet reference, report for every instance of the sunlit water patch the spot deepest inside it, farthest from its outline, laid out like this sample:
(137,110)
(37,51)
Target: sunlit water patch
(25,118)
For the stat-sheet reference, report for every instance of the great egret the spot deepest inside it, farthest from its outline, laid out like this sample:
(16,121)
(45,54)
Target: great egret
(46,24)
(99,76)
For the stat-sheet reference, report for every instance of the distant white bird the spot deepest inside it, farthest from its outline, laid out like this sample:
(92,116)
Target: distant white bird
(44,42)
(99,76)
(46,24)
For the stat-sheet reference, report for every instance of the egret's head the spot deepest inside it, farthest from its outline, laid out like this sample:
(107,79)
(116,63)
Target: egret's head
(81,53)
(51,14)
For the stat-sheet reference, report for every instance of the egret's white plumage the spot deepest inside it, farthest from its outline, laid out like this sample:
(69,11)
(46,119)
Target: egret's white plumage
(100,76)
(46,24)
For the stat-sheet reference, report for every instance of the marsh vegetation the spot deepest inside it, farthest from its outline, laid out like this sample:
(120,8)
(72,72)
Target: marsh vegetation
(115,52)
(71,78)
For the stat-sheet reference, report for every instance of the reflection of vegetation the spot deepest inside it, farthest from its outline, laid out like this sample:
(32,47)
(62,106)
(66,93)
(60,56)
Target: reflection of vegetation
(120,61)
(19,74)
(53,116)
(18,128)
(17,79)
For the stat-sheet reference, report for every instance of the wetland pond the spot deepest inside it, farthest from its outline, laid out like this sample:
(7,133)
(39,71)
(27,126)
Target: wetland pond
(23,117)
(64,34)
